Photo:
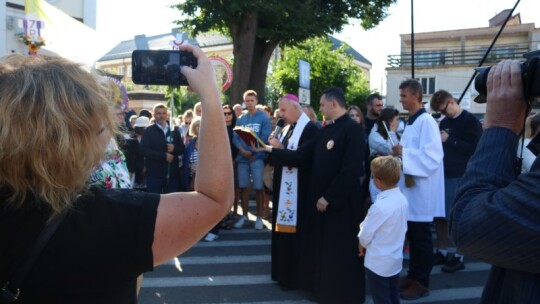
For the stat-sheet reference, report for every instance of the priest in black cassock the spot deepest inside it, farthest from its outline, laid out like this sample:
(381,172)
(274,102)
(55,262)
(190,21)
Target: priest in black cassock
(330,267)
(290,189)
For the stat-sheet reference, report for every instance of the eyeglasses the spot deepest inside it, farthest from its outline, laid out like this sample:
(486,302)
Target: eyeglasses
(443,111)
(227,113)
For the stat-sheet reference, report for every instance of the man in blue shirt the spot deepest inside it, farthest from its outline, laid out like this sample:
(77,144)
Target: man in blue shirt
(250,162)
(496,215)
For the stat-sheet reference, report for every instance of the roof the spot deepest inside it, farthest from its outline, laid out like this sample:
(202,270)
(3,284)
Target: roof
(162,41)
(338,43)
(142,42)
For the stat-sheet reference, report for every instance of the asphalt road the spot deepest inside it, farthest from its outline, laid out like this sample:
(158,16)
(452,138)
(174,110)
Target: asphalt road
(236,269)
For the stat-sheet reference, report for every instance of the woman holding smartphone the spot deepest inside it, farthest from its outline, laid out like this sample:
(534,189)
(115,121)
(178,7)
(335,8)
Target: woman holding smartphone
(54,125)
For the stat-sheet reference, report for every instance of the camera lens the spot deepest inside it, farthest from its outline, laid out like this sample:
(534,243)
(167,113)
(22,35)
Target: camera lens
(480,84)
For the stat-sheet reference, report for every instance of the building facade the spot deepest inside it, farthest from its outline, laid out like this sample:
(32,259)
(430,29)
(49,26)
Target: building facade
(11,11)
(118,60)
(446,59)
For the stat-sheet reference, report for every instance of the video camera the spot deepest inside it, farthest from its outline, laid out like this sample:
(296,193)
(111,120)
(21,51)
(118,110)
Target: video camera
(530,74)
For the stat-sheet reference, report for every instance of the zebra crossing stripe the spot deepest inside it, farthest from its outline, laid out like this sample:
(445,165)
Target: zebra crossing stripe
(206,281)
(221,260)
(241,243)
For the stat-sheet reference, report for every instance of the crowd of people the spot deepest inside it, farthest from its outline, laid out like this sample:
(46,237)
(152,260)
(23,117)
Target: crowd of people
(348,192)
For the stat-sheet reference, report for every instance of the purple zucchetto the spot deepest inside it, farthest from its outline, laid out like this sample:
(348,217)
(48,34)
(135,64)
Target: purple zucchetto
(291,97)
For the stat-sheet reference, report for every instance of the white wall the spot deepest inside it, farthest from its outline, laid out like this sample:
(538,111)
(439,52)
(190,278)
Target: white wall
(452,80)
(83,9)
(3,30)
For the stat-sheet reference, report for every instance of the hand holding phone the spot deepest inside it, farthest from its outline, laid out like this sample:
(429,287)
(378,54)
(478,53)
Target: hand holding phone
(161,67)
(202,79)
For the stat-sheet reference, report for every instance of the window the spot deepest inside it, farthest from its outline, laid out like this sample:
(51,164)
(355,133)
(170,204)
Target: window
(430,58)
(499,53)
(428,85)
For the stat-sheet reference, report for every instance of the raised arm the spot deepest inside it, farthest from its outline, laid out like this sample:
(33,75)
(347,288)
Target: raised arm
(183,218)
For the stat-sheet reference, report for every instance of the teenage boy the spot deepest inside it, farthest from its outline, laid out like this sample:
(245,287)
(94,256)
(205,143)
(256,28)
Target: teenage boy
(382,233)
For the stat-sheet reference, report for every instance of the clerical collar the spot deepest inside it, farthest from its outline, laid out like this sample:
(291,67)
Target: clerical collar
(415,116)
(339,119)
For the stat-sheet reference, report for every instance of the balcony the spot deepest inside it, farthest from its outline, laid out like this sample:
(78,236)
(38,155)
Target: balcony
(451,57)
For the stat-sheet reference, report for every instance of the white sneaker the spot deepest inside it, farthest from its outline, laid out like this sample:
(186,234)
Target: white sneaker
(258,224)
(241,222)
(210,237)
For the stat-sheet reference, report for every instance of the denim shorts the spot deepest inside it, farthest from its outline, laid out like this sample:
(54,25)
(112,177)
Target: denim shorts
(256,169)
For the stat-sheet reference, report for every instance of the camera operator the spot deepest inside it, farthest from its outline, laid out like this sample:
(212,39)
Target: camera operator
(107,237)
(496,216)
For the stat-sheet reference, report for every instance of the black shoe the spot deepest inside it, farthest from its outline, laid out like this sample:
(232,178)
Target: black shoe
(453,264)
(439,258)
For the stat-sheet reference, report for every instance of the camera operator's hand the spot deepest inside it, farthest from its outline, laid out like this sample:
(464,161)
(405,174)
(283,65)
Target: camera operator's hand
(202,79)
(506,104)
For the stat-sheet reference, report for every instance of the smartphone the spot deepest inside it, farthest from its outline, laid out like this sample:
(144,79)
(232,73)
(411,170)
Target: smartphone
(160,67)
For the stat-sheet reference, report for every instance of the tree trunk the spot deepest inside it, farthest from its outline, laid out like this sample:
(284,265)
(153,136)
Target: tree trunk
(243,34)
(262,53)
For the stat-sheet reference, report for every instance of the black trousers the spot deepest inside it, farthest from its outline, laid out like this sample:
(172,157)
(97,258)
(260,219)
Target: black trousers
(421,251)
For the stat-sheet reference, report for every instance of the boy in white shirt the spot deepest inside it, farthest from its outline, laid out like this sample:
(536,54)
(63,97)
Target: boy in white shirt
(382,232)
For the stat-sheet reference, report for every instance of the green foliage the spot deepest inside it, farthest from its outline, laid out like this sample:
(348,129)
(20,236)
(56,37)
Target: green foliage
(328,68)
(185,99)
(288,21)
(256,27)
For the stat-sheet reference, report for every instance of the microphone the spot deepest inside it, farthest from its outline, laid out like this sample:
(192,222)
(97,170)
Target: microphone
(279,126)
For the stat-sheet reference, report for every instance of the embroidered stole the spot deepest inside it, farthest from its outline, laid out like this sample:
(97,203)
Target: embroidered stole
(288,192)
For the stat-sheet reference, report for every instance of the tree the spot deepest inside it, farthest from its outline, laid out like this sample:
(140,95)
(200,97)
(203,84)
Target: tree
(328,67)
(257,27)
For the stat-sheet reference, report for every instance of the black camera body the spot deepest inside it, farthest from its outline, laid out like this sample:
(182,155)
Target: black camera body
(160,67)
(530,74)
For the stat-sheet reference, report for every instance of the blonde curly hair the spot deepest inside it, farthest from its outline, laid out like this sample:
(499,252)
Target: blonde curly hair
(51,113)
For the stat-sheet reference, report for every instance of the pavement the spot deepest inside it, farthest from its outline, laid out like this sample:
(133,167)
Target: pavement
(235,268)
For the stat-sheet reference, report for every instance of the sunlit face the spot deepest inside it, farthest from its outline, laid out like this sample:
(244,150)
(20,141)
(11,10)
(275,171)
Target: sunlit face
(287,112)
(237,110)
(160,116)
(394,123)
(196,128)
(408,99)
(355,115)
(376,107)
(228,115)
(198,110)
(449,108)
(326,107)
(132,120)
(251,103)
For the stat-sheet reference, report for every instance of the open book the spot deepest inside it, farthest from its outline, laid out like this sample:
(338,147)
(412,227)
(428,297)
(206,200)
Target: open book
(249,137)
